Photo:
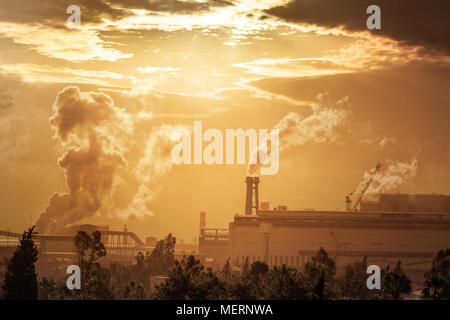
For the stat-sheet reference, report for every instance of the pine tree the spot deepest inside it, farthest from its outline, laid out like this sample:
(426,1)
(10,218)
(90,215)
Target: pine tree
(21,279)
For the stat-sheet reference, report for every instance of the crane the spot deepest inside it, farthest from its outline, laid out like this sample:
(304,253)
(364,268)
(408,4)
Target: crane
(348,202)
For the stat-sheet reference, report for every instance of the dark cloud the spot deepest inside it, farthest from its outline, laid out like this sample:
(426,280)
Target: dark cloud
(53,12)
(416,22)
(173,6)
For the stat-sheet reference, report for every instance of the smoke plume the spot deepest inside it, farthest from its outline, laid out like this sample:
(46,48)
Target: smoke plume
(319,127)
(155,163)
(94,140)
(391,177)
(86,127)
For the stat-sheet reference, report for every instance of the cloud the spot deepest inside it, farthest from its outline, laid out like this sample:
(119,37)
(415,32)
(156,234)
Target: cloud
(174,6)
(34,73)
(292,68)
(61,43)
(415,22)
(53,12)
(157,70)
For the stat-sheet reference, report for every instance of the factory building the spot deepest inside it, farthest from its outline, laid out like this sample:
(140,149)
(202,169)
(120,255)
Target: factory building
(282,236)
(408,203)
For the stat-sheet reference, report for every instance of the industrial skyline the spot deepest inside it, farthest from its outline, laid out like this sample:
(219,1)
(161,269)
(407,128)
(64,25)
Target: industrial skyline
(87,113)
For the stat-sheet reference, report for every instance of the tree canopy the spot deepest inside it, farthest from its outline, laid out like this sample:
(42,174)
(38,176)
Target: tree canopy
(21,279)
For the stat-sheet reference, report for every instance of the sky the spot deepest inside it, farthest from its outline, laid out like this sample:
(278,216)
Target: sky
(87,114)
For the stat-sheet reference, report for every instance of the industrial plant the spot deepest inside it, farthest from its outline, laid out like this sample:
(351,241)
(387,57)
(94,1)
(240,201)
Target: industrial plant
(410,228)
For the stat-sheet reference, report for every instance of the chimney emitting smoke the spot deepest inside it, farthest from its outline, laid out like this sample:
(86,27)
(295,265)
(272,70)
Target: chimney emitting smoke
(250,203)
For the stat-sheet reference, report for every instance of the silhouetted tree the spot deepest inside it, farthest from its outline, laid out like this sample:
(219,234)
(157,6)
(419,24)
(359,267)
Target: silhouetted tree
(250,285)
(395,283)
(437,280)
(188,279)
(95,280)
(226,272)
(134,291)
(258,270)
(88,250)
(50,289)
(285,284)
(161,258)
(319,276)
(245,266)
(353,283)
(20,279)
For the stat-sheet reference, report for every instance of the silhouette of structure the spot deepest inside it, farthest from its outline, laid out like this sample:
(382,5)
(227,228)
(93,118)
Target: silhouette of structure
(291,237)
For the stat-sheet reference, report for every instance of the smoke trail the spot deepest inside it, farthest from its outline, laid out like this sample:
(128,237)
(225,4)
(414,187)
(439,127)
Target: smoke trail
(87,127)
(93,139)
(392,176)
(318,127)
(156,162)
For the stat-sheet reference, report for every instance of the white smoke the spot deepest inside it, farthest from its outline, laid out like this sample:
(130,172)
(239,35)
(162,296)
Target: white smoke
(393,175)
(156,162)
(93,138)
(318,127)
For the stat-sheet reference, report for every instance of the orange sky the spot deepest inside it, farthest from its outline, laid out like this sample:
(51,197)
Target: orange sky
(348,98)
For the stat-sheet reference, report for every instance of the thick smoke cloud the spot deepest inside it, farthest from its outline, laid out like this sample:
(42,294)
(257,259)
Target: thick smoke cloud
(86,126)
(416,22)
(94,139)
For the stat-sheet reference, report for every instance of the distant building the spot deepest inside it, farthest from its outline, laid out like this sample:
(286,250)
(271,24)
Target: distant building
(398,227)
(408,203)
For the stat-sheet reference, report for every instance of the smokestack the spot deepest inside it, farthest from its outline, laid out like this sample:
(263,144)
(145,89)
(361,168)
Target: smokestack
(202,221)
(250,203)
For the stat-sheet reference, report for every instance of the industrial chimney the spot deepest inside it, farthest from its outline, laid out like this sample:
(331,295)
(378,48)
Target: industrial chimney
(202,221)
(250,202)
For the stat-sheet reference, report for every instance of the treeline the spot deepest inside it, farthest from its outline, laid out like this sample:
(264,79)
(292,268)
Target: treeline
(189,279)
